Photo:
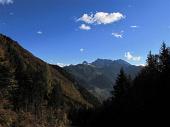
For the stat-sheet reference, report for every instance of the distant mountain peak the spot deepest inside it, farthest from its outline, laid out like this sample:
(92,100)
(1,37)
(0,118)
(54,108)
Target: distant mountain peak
(85,63)
(99,76)
(102,62)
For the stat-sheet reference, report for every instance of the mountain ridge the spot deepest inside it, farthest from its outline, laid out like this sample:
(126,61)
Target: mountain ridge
(99,76)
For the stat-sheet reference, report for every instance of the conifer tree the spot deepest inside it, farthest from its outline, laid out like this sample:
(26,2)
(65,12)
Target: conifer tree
(122,85)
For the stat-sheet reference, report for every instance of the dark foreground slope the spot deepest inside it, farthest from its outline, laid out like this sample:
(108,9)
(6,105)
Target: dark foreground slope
(143,101)
(99,76)
(32,90)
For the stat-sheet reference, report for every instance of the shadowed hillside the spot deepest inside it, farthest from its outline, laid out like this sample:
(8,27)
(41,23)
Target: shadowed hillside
(143,100)
(99,76)
(29,85)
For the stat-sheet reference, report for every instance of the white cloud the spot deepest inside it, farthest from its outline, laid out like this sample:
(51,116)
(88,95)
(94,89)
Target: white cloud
(87,18)
(101,18)
(134,26)
(39,32)
(3,2)
(129,56)
(81,50)
(84,27)
(118,35)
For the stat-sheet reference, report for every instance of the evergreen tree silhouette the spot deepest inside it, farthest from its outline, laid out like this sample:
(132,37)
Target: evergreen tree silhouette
(121,86)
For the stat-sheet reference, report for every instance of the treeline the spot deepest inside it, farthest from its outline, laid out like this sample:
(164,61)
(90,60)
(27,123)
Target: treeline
(143,99)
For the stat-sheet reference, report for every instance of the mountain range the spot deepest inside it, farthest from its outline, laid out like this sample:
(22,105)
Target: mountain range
(99,76)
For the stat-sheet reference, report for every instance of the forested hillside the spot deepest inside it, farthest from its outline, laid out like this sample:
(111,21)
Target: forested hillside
(35,90)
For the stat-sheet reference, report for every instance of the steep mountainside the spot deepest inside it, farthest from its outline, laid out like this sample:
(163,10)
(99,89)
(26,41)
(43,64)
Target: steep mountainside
(99,76)
(31,85)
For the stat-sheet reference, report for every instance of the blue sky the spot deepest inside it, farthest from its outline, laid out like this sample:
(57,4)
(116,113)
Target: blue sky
(71,31)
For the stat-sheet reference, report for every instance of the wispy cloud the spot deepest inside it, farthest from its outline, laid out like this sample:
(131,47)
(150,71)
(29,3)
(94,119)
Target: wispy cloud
(101,18)
(130,57)
(39,32)
(84,27)
(82,50)
(3,2)
(134,26)
(118,34)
